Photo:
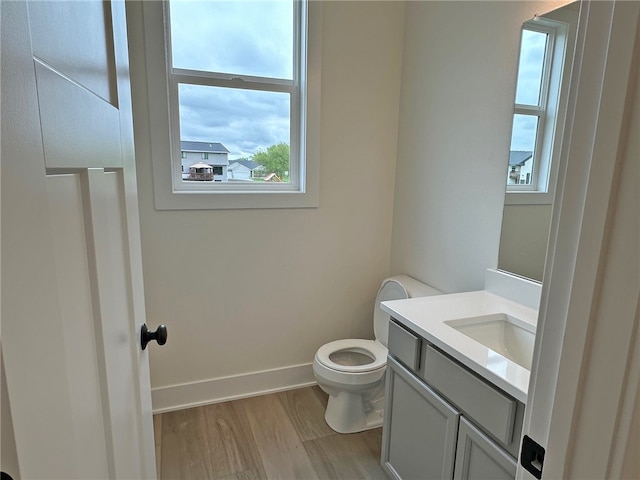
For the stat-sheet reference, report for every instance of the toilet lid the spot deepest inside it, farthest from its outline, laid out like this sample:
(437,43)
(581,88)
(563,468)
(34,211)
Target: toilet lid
(390,289)
(353,355)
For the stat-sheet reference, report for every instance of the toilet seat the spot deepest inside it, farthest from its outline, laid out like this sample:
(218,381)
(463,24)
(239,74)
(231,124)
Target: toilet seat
(371,348)
(352,371)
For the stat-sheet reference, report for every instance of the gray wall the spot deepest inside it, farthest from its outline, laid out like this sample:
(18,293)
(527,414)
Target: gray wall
(523,241)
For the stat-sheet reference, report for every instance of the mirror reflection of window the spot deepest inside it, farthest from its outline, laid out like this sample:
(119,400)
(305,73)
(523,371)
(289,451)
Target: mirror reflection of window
(530,69)
(540,104)
(529,160)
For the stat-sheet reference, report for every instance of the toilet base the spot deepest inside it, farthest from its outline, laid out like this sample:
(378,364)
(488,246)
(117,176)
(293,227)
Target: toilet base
(349,412)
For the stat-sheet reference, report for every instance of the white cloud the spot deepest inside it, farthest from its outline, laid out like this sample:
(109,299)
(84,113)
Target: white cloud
(241,37)
(242,120)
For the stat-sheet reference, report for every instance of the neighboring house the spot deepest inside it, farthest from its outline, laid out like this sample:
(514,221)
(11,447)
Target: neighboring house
(213,154)
(520,167)
(244,170)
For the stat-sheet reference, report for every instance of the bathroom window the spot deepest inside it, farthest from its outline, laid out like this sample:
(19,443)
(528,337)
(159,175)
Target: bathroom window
(245,75)
(537,112)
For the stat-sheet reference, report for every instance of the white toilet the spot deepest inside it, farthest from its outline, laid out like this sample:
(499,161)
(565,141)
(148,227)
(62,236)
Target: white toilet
(352,371)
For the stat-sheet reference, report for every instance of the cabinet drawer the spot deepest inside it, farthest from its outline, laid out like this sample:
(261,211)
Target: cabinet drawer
(404,345)
(488,406)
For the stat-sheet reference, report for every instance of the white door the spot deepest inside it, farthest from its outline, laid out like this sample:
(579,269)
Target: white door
(72,293)
(585,375)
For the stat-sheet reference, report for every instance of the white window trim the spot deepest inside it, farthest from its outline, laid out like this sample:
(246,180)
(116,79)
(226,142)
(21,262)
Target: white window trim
(165,145)
(551,125)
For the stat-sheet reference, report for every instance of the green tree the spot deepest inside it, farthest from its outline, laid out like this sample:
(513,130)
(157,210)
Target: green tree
(274,159)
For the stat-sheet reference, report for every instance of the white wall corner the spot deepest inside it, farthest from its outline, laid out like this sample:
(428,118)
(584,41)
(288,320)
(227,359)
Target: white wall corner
(217,390)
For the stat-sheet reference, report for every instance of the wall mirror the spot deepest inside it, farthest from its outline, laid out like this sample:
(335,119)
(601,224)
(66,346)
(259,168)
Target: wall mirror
(544,71)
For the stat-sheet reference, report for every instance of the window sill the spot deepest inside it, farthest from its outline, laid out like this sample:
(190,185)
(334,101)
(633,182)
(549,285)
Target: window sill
(229,200)
(528,198)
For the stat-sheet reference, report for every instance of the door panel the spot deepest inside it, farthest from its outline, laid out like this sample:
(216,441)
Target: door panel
(419,434)
(113,306)
(83,50)
(73,281)
(30,319)
(72,292)
(79,129)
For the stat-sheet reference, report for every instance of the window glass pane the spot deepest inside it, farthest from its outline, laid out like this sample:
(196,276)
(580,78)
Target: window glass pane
(252,125)
(523,140)
(530,69)
(242,37)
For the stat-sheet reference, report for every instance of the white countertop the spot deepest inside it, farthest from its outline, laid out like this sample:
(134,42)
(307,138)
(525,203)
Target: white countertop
(426,316)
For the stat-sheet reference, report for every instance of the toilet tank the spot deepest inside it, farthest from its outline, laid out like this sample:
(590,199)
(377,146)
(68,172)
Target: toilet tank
(396,288)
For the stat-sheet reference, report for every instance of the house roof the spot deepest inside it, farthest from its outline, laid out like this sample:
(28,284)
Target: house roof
(207,147)
(250,164)
(518,157)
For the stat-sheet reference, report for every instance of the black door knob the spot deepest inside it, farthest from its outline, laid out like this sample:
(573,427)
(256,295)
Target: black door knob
(160,335)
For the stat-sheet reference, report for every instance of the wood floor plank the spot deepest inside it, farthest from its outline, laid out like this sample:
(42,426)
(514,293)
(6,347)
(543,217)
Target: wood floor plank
(208,442)
(306,411)
(346,456)
(373,439)
(157,435)
(247,475)
(184,445)
(324,398)
(261,439)
(157,429)
(230,435)
(282,453)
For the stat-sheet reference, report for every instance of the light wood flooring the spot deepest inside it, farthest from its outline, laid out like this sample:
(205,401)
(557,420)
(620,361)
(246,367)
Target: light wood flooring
(276,436)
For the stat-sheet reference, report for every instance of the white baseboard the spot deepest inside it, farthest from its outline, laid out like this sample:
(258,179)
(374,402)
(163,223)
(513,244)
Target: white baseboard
(216,390)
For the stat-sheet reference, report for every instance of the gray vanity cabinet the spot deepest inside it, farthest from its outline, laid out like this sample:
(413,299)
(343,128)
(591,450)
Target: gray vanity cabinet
(442,421)
(420,428)
(478,457)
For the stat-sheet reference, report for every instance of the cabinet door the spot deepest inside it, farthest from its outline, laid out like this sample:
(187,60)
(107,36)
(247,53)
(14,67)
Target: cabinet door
(479,458)
(419,434)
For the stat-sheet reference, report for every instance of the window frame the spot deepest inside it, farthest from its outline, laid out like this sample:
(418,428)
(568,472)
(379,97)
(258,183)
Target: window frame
(551,112)
(170,193)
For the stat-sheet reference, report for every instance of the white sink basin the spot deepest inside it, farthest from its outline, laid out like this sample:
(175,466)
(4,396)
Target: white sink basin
(506,335)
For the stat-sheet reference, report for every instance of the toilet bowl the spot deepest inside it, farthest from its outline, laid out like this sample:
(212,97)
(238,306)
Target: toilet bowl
(352,371)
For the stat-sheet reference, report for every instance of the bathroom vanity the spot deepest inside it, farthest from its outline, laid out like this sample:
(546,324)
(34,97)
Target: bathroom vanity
(457,378)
